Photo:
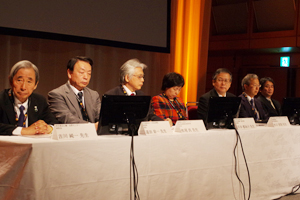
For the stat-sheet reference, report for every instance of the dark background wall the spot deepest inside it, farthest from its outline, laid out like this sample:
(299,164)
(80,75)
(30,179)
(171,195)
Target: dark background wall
(249,36)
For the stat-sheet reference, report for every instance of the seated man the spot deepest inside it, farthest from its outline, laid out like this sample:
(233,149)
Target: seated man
(250,106)
(132,80)
(74,102)
(271,106)
(23,112)
(222,79)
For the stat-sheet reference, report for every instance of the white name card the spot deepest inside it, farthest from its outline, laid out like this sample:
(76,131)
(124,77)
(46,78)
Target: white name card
(244,123)
(281,121)
(190,126)
(74,131)
(154,128)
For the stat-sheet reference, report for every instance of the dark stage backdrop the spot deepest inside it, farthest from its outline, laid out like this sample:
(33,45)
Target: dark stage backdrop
(140,24)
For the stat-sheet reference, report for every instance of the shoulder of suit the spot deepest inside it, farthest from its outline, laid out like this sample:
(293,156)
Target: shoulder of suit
(37,96)
(113,91)
(208,94)
(61,89)
(86,89)
(139,92)
(228,94)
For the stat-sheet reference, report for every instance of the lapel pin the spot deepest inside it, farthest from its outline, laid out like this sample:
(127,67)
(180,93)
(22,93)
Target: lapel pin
(35,109)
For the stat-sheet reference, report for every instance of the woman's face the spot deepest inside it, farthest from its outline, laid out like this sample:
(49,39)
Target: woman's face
(173,92)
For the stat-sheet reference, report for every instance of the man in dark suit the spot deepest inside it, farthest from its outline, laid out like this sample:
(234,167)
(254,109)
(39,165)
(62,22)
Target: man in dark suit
(250,106)
(271,106)
(74,102)
(132,80)
(222,79)
(23,112)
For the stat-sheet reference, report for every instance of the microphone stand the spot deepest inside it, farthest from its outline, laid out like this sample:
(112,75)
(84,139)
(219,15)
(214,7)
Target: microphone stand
(132,130)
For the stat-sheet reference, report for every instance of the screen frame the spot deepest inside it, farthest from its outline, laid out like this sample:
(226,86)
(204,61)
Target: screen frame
(114,108)
(230,104)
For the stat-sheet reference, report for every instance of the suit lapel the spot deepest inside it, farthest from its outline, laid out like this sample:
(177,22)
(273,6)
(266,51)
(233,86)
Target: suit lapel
(9,109)
(249,108)
(72,98)
(88,105)
(32,111)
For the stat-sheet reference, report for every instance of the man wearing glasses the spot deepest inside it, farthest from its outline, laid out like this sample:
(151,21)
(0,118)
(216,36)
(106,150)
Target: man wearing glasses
(222,79)
(250,106)
(131,82)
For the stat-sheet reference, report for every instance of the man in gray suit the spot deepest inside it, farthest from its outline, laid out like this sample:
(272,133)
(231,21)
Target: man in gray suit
(74,102)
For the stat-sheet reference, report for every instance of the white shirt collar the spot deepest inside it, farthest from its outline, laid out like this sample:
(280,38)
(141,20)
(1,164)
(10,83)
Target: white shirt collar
(221,95)
(128,91)
(249,98)
(18,103)
(74,89)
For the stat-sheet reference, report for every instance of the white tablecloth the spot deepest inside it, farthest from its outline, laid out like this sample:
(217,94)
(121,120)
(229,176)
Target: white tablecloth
(177,166)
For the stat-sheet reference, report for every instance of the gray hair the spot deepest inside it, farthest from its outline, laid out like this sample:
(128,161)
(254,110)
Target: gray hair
(23,64)
(246,80)
(222,70)
(128,68)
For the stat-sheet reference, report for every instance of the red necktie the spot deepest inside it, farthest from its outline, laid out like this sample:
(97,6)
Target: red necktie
(132,94)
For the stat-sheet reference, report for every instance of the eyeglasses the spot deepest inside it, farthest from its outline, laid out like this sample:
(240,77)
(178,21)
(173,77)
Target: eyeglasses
(226,81)
(139,76)
(254,85)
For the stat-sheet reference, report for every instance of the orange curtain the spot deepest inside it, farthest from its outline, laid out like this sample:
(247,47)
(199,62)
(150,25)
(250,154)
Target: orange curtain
(190,30)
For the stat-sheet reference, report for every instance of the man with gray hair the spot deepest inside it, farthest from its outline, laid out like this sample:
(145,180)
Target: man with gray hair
(23,112)
(131,81)
(250,106)
(221,81)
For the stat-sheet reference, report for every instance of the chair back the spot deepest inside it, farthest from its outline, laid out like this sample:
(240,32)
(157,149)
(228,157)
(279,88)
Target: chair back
(191,110)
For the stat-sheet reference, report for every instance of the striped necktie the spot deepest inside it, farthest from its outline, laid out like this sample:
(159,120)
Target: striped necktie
(254,110)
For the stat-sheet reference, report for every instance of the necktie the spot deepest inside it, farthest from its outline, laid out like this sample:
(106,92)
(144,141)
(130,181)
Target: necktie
(132,94)
(271,103)
(21,120)
(254,110)
(82,108)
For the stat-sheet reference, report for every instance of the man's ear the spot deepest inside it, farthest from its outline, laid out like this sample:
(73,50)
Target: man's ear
(127,78)
(69,72)
(36,85)
(213,82)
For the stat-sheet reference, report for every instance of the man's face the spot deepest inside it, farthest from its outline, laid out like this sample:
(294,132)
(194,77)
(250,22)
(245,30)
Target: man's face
(222,83)
(253,88)
(136,81)
(23,84)
(268,89)
(81,75)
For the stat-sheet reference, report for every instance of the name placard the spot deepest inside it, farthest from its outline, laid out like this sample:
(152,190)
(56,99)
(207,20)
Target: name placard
(74,131)
(244,123)
(190,126)
(154,128)
(281,121)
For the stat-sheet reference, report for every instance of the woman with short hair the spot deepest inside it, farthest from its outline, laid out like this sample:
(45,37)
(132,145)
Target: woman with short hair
(167,104)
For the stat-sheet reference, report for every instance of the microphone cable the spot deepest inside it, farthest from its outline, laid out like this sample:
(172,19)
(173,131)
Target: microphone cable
(133,168)
(238,138)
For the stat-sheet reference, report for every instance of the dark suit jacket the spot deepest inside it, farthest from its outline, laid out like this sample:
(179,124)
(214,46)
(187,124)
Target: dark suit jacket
(37,110)
(64,105)
(202,110)
(269,108)
(119,91)
(246,109)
